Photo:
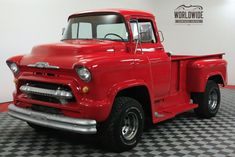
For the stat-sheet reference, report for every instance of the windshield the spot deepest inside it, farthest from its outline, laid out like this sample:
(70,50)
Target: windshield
(101,27)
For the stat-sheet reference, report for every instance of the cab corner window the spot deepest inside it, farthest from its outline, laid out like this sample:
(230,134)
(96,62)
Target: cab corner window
(85,30)
(81,30)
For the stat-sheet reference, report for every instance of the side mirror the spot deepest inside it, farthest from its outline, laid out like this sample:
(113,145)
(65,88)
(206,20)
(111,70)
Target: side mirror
(161,36)
(169,54)
(63,30)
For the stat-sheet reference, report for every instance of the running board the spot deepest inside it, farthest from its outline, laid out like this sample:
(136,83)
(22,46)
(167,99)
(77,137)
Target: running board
(172,112)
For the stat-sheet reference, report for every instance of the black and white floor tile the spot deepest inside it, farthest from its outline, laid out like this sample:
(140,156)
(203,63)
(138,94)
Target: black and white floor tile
(185,135)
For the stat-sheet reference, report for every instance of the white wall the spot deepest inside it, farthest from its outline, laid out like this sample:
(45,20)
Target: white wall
(26,23)
(216,34)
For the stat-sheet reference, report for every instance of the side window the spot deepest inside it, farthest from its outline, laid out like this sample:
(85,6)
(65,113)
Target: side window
(103,31)
(145,31)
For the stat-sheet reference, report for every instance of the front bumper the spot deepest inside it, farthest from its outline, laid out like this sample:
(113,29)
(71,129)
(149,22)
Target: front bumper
(84,126)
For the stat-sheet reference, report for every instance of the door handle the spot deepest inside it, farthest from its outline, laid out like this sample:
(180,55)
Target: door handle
(155,60)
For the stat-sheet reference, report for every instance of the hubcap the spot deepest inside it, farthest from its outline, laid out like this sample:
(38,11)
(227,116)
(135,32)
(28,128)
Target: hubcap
(130,126)
(213,99)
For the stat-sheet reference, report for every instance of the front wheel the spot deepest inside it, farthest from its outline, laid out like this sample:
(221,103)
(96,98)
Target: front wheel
(209,101)
(124,127)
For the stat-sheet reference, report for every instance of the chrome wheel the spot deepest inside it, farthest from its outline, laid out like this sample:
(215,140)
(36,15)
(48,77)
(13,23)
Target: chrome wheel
(130,126)
(213,99)
(208,101)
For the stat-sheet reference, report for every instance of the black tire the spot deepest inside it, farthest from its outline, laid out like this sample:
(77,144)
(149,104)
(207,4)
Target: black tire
(124,127)
(209,101)
(38,127)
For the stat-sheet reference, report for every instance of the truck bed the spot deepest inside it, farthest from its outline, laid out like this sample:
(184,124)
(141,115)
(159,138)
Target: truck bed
(187,57)
(179,70)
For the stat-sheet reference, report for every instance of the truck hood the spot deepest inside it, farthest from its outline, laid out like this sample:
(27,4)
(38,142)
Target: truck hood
(69,53)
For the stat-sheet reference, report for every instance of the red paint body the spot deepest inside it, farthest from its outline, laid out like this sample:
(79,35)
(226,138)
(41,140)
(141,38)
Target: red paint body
(169,80)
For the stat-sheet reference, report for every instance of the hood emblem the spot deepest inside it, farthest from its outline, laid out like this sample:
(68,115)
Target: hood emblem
(43,65)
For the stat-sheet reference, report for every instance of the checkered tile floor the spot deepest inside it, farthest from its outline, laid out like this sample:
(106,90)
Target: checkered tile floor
(185,135)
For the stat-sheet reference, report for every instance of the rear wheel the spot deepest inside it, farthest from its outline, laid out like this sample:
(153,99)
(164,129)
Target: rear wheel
(123,130)
(209,101)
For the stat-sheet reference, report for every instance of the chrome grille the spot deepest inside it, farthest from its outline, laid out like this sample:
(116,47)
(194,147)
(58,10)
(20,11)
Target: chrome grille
(53,93)
(59,93)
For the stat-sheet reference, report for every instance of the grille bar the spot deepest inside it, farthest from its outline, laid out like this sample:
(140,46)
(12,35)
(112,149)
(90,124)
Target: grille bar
(61,94)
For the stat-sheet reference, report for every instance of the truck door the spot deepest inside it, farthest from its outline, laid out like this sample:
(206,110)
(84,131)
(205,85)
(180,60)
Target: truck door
(150,47)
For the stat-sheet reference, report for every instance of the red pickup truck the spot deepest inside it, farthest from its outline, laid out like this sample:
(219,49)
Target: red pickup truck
(110,75)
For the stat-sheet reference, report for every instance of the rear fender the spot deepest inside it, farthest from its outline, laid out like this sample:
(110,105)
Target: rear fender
(200,71)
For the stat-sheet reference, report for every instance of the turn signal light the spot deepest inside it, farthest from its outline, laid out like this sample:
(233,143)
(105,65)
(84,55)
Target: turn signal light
(85,89)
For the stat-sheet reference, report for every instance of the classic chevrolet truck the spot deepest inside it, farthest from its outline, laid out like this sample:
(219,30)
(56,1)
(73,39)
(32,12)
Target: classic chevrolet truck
(110,75)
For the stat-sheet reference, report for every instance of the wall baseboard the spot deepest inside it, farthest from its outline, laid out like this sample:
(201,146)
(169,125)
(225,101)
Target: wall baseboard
(4,107)
(230,87)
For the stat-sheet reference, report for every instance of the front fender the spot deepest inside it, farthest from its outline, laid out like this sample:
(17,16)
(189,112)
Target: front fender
(115,89)
(125,85)
(15,59)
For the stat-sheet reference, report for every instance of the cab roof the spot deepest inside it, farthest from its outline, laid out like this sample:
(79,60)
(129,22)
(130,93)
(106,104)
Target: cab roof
(123,12)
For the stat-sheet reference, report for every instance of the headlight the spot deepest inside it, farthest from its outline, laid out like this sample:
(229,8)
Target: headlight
(84,74)
(14,68)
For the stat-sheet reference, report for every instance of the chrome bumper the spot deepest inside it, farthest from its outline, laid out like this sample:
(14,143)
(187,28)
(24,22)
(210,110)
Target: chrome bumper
(84,126)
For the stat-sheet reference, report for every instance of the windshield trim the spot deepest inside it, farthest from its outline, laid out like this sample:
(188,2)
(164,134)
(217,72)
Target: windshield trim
(101,13)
